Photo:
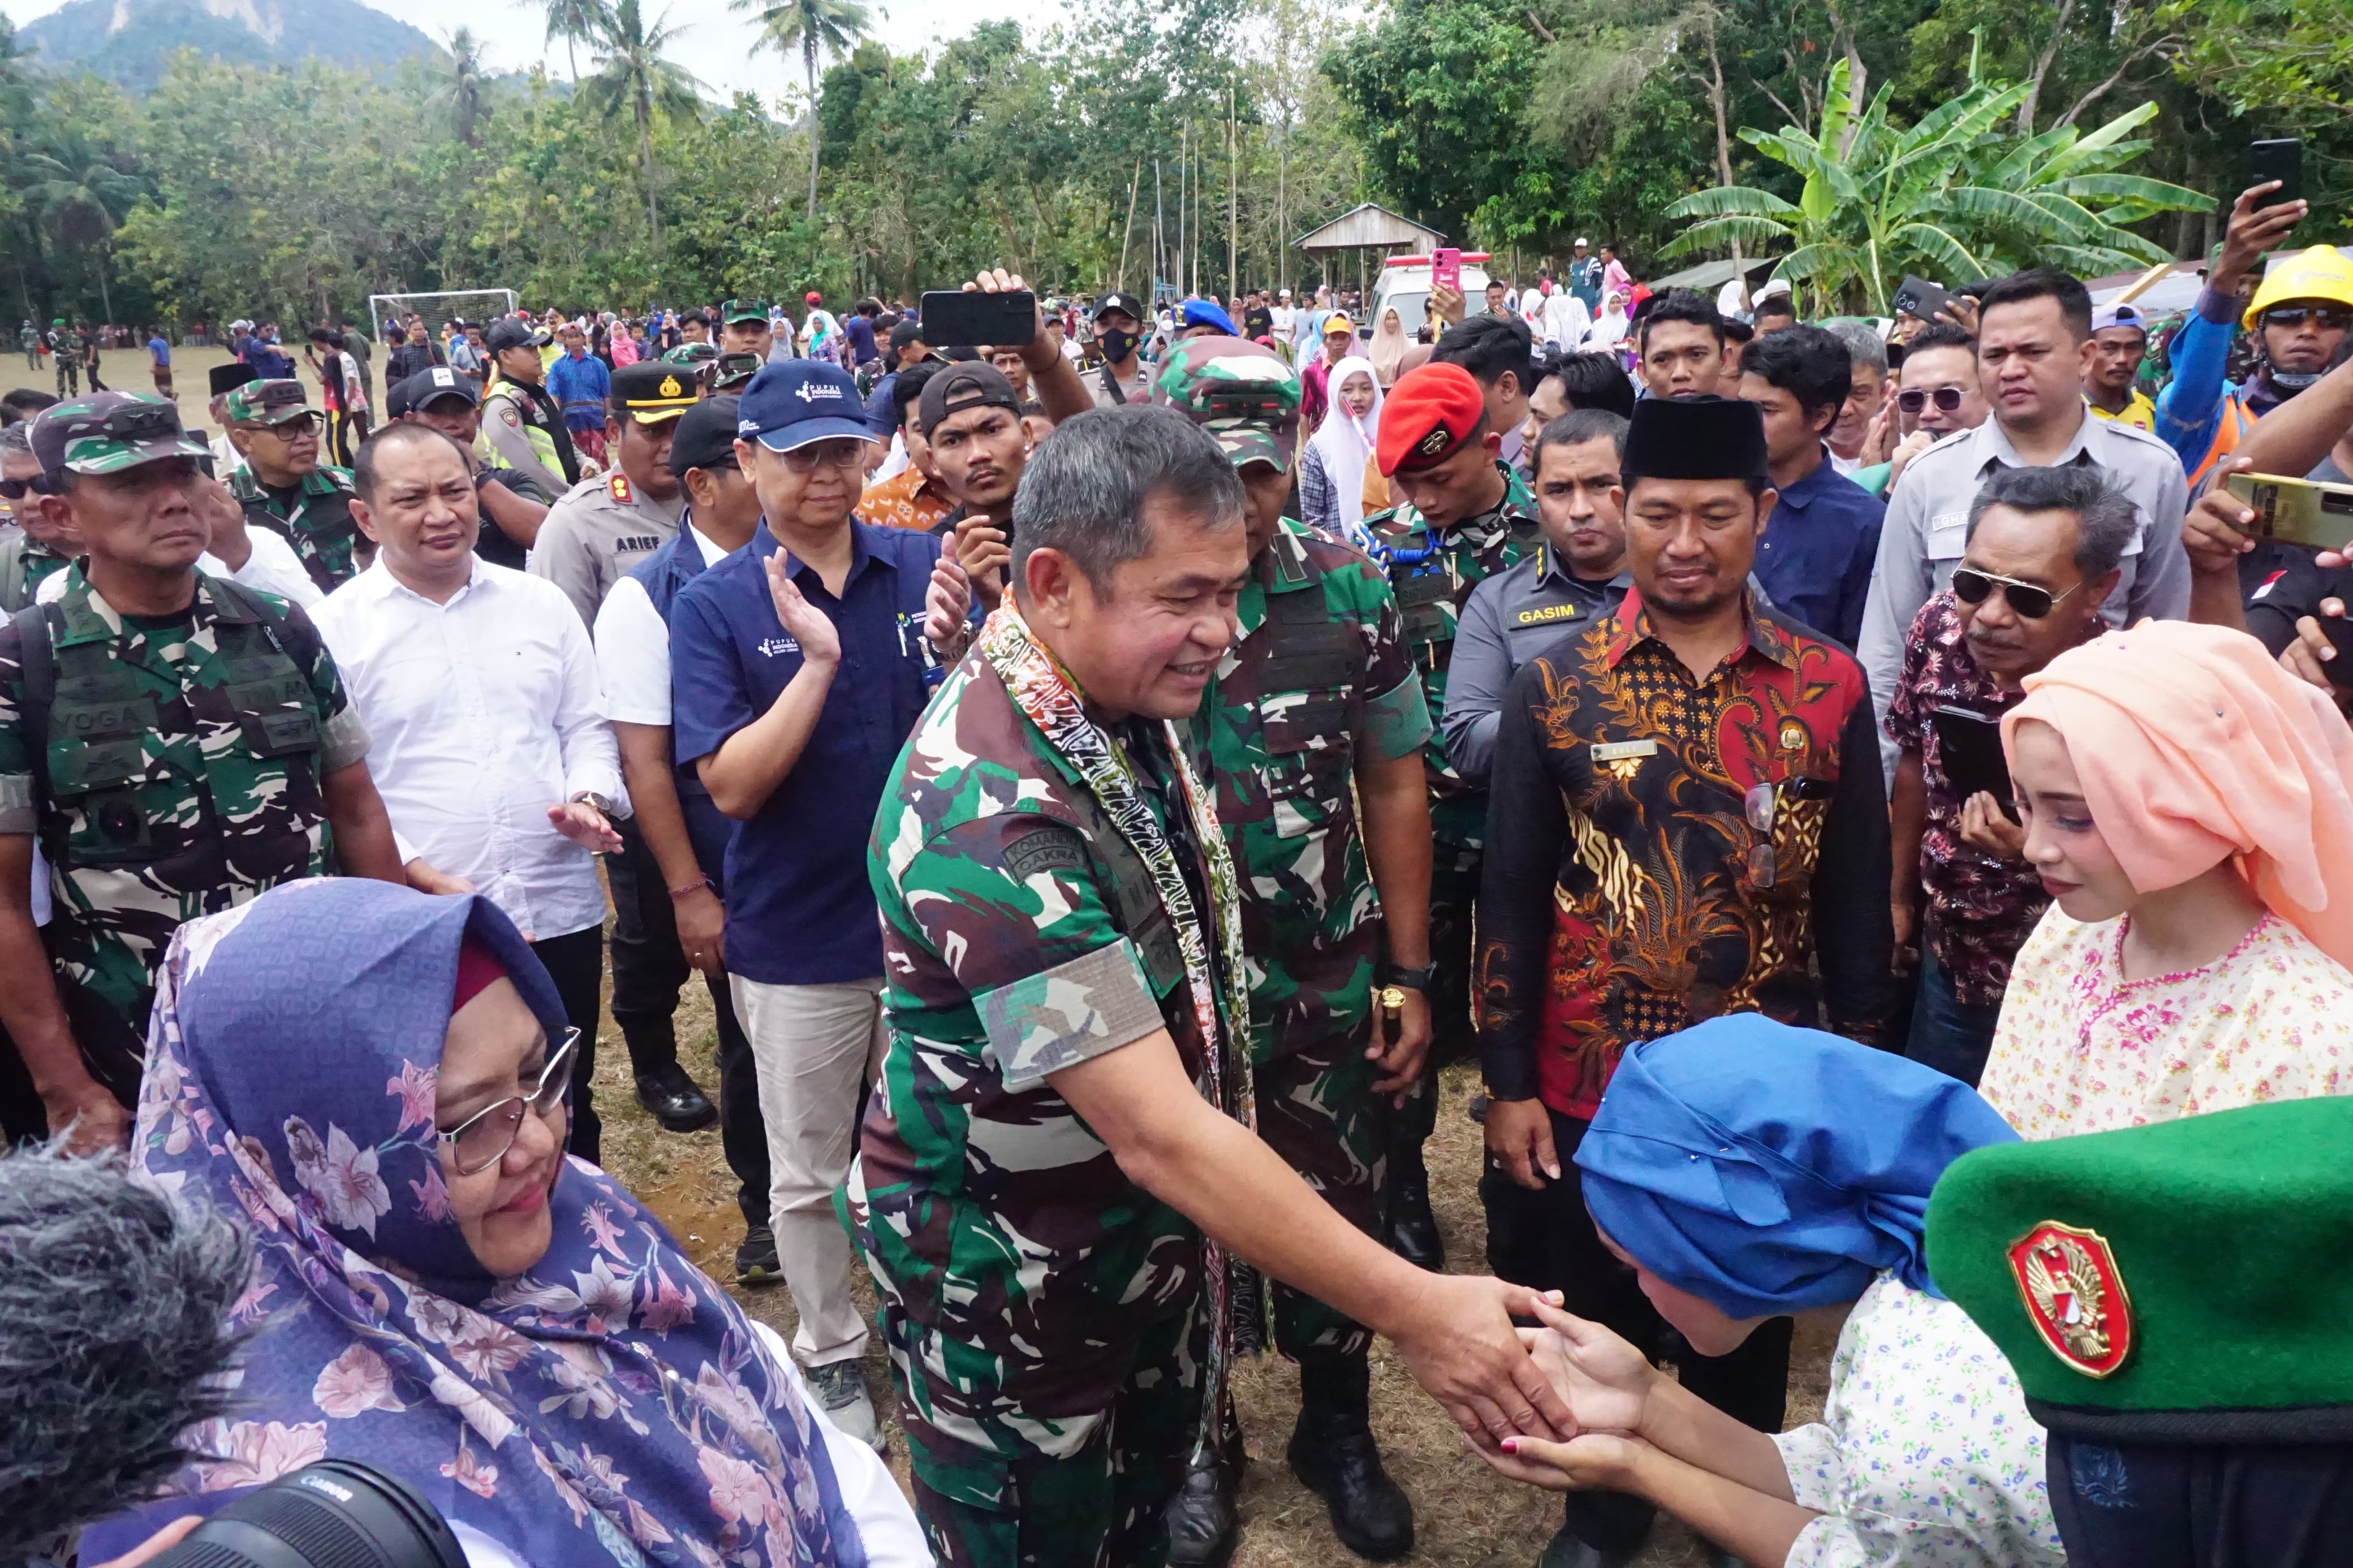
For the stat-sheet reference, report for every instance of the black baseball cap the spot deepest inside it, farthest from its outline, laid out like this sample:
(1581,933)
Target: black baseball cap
(706,435)
(652,391)
(412,393)
(909,331)
(1115,300)
(962,387)
(506,332)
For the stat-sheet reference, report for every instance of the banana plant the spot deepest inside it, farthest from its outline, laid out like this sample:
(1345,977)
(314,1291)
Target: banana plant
(1953,196)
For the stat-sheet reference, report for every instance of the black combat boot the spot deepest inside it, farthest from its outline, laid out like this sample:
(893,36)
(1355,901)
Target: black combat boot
(1333,1453)
(1204,1523)
(1412,1230)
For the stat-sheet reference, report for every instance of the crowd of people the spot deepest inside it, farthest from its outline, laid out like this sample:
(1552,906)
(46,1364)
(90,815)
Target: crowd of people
(1870,796)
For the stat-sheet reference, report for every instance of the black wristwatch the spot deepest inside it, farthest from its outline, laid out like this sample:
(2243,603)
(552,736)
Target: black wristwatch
(1417,979)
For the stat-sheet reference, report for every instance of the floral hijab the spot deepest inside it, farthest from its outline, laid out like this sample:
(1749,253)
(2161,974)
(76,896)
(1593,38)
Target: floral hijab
(610,1405)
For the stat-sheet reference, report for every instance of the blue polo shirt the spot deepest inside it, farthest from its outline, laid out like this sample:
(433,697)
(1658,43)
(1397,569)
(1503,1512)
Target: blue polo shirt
(799,910)
(1815,557)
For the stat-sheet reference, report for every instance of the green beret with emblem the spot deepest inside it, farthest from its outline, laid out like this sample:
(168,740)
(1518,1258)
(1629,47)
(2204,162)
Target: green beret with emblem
(108,432)
(2189,1282)
(1242,392)
(266,403)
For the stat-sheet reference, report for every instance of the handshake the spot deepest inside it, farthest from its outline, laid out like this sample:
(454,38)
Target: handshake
(1608,1386)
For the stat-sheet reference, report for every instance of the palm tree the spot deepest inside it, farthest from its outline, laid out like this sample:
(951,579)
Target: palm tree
(631,73)
(809,27)
(1949,196)
(83,198)
(464,87)
(576,21)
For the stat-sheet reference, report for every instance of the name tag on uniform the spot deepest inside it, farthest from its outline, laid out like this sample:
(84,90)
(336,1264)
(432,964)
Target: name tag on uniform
(1624,751)
(1549,613)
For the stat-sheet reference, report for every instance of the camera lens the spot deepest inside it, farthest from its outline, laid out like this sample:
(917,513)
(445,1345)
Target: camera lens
(337,1513)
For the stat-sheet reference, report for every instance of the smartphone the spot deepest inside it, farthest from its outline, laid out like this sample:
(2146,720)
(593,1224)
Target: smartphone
(968,319)
(1446,268)
(2298,512)
(1968,748)
(2281,160)
(1918,297)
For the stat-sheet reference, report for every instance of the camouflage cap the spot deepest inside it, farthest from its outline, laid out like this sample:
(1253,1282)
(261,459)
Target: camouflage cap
(735,311)
(691,353)
(108,432)
(266,403)
(1243,391)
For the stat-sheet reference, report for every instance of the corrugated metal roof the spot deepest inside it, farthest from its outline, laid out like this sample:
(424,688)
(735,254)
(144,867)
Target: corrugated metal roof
(1370,226)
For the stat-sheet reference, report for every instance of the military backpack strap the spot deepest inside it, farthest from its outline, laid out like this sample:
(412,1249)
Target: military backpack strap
(37,661)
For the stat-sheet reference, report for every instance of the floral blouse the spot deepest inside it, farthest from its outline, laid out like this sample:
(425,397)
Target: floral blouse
(2082,1049)
(1925,1456)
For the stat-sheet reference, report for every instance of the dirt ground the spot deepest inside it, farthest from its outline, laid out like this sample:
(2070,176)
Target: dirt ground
(1466,1516)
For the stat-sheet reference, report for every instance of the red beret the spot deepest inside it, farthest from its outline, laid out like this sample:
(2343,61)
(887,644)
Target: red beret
(1428,416)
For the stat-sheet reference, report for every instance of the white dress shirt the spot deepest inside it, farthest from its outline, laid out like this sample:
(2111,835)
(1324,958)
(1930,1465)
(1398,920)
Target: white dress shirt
(633,646)
(485,711)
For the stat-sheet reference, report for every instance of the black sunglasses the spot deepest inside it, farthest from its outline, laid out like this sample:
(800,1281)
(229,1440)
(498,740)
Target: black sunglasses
(1971,586)
(1914,399)
(17,489)
(2328,318)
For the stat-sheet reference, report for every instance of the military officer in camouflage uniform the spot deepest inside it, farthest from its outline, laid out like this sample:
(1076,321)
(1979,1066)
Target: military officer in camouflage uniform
(29,557)
(1065,1092)
(284,487)
(177,743)
(1316,714)
(64,351)
(1465,515)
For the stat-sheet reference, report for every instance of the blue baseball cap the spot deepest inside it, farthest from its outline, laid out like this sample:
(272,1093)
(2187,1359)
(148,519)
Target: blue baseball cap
(795,402)
(1207,313)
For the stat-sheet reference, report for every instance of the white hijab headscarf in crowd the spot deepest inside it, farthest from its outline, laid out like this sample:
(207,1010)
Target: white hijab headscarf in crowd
(1345,443)
(1609,327)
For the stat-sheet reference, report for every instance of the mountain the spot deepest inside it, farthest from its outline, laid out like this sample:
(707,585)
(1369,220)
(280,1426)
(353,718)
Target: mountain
(132,41)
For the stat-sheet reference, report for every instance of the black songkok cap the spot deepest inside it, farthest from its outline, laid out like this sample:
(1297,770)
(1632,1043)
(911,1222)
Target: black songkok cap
(1695,438)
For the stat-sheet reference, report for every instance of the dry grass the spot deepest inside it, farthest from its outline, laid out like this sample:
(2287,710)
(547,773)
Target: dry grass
(1467,1516)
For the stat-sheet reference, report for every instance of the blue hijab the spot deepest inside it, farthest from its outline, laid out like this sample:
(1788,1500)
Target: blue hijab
(1766,1168)
(610,1404)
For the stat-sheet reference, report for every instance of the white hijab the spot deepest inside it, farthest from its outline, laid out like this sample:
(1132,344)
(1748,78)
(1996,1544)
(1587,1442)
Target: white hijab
(1345,443)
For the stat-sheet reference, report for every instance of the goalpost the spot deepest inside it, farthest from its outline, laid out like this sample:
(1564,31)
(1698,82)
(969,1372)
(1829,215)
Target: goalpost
(440,308)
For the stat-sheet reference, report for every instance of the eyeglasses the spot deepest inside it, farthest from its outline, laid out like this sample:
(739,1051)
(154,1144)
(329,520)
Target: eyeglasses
(1761,807)
(843,454)
(1913,399)
(483,1139)
(1971,586)
(17,489)
(2327,318)
(292,429)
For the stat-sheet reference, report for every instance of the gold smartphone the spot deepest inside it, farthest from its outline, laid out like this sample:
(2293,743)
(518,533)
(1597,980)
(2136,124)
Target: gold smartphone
(2297,511)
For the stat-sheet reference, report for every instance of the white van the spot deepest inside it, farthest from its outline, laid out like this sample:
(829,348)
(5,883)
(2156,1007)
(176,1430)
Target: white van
(1405,283)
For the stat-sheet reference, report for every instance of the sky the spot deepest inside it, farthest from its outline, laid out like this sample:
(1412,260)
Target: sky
(716,45)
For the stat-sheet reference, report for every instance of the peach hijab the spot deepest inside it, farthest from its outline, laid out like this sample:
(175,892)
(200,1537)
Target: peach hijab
(2193,745)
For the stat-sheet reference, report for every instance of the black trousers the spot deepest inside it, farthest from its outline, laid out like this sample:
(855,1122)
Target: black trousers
(23,1117)
(647,967)
(742,1136)
(576,964)
(1546,1240)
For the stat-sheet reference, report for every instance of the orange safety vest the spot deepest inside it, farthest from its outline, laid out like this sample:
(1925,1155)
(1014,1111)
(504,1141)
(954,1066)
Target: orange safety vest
(2232,429)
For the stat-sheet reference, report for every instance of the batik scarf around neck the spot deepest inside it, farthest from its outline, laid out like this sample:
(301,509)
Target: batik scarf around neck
(609,1405)
(1214,975)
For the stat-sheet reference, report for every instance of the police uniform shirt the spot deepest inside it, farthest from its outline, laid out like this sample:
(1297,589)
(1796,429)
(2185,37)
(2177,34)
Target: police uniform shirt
(1136,389)
(600,528)
(1506,622)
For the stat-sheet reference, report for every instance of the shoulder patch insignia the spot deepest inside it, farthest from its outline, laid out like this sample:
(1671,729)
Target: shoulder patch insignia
(508,414)
(2074,1294)
(1049,846)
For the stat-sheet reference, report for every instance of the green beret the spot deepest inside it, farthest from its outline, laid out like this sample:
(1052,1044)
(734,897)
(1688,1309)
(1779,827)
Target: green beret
(2186,1282)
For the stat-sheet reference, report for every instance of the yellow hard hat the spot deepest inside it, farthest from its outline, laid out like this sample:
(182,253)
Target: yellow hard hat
(2320,273)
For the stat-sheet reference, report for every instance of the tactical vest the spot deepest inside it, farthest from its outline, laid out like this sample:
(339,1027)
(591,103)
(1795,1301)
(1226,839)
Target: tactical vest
(108,794)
